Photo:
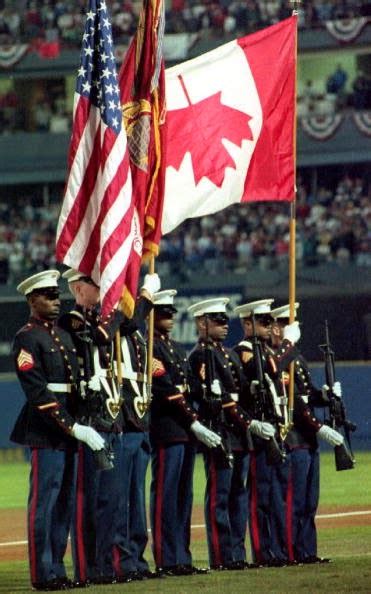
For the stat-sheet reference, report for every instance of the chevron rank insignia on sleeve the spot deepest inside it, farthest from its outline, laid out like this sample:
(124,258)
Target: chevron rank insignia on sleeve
(158,368)
(25,360)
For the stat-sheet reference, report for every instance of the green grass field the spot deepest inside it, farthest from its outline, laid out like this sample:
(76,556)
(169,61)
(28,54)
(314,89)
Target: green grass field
(347,542)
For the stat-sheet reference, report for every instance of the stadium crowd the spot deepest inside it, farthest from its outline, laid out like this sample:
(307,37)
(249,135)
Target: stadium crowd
(332,226)
(52,20)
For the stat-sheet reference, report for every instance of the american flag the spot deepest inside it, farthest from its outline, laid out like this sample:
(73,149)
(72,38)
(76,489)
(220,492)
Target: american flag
(97,223)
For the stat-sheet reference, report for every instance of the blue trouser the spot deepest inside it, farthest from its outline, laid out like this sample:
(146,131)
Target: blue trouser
(97,495)
(131,534)
(296,484)
(226,508)
(171,503)
(50,502)
(260,501)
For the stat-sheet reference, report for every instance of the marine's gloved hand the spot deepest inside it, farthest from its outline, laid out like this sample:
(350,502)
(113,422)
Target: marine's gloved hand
(336,389)
(152,283)
(254,386)
(216,387)
(205,435)
(292,332)
(262,429)
(89,436)
(94,383)
(334,438)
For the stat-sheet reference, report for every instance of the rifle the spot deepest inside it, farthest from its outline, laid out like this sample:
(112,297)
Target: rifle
(103,458)
(344,459)
(217,419)
(263,405)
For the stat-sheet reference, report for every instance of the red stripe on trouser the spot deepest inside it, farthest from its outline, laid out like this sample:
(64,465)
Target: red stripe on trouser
(160,475)
(289,511)
(116,560)
(32,515)
(254,523)
(215,543)
(81,559)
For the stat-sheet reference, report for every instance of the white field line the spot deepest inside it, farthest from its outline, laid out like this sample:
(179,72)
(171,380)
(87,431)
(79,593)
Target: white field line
(17,543)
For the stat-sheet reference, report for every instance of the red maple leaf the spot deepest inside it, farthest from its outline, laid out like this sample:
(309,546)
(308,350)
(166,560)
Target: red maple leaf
(199,129)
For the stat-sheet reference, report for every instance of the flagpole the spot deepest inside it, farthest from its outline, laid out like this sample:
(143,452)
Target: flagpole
(151,323)
(292,228)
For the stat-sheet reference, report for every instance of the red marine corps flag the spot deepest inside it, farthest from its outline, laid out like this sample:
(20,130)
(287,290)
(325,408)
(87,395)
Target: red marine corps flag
(142,85)
(230,125)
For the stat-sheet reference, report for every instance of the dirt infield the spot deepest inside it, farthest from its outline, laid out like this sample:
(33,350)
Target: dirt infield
(13,531)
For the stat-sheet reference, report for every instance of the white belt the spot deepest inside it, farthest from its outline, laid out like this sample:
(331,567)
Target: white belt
(305,399)
(59,387)
(131,375)
(234,396)
(281,400)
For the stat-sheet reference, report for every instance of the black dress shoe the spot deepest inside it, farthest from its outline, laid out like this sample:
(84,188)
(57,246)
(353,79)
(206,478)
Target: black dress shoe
(315,559)
(135,575)
(80,583)
(104,579)
(147,574)
(50,585)
(167,571)
(191,570)
(238,565)
(219,567)
(276,563)
(124,579)
(257,565)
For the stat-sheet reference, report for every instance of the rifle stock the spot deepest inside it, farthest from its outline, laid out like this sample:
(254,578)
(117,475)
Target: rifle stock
(274,453)
(344,459)
(103,458)
(223,452)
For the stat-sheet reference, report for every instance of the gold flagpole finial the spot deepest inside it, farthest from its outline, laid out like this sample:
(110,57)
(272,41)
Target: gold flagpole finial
(295,6)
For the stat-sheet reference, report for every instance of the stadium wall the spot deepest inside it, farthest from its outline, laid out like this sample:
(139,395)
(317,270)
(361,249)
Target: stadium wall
(355,379)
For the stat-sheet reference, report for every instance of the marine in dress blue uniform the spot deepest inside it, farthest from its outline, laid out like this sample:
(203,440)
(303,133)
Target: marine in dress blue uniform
(222,409)
(297,480)
(98,490)
(47,368)
(174,424)
(260,479)
(131,534)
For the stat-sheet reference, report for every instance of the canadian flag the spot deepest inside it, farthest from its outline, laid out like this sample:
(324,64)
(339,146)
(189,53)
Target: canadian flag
(230,125)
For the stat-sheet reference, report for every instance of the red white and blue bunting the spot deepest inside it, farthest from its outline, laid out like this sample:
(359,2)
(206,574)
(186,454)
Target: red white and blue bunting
(321,127)
(11,54)
(362,120)
(346,30)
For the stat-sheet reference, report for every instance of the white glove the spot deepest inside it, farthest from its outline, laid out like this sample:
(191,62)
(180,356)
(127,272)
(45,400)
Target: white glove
(216,388)
(94,383)
(152,283)
(336,388)
(254,387)
(262,429)
(203,434)
(292,332)
(334,438)
(89,436)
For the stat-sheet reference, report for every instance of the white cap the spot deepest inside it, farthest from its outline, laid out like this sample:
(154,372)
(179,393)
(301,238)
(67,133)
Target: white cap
(216,305)
(164,297)
(42,280)
(72,275)
(283,311)
(254,307)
